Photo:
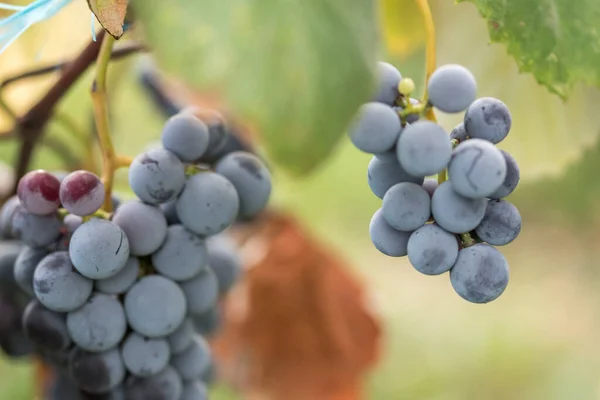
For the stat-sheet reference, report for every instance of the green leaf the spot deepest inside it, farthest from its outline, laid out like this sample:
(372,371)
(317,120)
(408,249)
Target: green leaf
(297,70)
(547,133)
(110,14)
(558,41)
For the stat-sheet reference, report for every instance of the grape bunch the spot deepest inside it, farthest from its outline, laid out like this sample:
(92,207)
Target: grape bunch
(441,224)
(121,303)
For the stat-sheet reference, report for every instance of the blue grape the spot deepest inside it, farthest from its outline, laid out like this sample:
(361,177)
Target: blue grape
(182,338)
(513,175)
(389,78)
(96,372)
(208,323)
(58,286)
(144,225)
(121,282)
(208,205)
(456,213)
(432,250)
(156,176)
(9,253)
(489,119)
(186,136)
(170,211)
(194,362)
(424,149)
(382,175)
(194,390)
(480,273)
(224,260)
(376,128)
(63,387)
(99,249)
(155,306)
(451,88)
(45,328)
(143,356)
(430,185)
(501,223)
(251,179)
(477,169)
(406,206)
(35,230)
(6,215)
(459,133)
(201,291)
(182,256)
(386,239)
(388,156)
(25,265)
(166,385)
(117,393)
(99,324)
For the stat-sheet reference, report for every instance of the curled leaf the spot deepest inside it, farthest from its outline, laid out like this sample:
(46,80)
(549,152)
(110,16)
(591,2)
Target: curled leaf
(110,14)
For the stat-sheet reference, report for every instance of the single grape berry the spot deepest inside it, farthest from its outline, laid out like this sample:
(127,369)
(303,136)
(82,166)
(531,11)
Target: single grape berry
(406,206)
(451,88)
(99,249)
(376,128)
(456,213)
(459,133)
(424,148)
(386,239)
(209,204)
(186,136)
(513,175)
(432,250)
(156,176)
(38,192)
(489,119)
(430,185)
(383,174)
(501,223)
(389,79)
(251,178)
(477,169)
(82,193)
(480,273)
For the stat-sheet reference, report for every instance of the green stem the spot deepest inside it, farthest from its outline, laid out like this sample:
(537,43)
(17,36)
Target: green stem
(466,239)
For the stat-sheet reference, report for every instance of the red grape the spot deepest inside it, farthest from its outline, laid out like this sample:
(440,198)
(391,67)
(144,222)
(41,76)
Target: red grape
(82,193)
(38,192)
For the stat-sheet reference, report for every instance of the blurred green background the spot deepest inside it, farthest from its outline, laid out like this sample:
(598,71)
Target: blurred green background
(537,341)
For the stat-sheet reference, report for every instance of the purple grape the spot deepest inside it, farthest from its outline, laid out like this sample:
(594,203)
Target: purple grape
(38,192)
(82,193)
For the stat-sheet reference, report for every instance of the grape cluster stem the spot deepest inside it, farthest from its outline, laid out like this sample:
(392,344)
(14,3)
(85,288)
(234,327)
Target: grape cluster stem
(110,160)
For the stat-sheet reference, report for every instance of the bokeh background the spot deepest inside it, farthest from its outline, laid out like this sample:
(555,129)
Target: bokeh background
(537,341)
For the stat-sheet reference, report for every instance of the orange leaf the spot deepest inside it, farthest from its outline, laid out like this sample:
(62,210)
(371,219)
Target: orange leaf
(300,326)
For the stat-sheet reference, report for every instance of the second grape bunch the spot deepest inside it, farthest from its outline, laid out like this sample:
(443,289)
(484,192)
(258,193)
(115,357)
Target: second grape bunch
(451,225)
(119,302)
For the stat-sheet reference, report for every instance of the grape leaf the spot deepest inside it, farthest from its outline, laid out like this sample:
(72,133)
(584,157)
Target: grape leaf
(110,14)
(297,70)
(558,41)
(547,133)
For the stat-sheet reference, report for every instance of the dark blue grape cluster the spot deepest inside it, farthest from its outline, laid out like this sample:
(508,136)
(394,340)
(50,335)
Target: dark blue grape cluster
(442,225)
(120,303)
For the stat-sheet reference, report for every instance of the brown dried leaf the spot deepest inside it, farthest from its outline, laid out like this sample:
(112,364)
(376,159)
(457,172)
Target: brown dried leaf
(299,327)
(110,14)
